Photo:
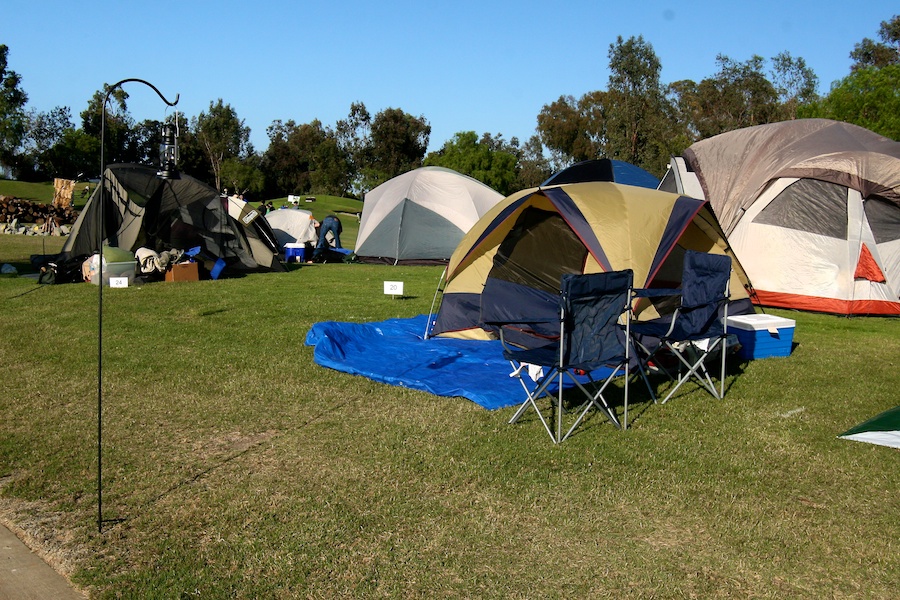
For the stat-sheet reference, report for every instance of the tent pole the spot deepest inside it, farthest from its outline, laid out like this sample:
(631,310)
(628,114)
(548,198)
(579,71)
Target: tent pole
(433,302)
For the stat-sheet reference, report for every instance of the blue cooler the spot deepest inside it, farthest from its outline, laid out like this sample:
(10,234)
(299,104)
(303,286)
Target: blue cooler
(295,252)
(762,336)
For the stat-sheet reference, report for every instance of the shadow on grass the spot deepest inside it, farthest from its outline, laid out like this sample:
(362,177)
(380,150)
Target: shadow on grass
(225,461)
(639,397)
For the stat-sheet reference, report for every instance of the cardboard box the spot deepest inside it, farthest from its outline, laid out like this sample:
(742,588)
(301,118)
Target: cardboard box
(186,271)
(762,336)
(117,270)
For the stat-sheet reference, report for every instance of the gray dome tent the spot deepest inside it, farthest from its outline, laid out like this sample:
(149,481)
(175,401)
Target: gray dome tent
(420,216)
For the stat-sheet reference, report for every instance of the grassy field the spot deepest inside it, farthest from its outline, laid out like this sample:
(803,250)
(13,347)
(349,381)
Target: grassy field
(35,192)
(235,467)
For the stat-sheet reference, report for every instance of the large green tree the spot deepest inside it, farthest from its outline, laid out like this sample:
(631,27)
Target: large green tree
(397,144)
(305,158)
(117,135)
(352,136)
(795,83)
(639,116)
(869,53)
(532,167)
(487,160)
(867,97)
(13,119)
(739,95)
(574,130)
(333,168)
(221,135)
(56,149)
(243,176)
(633,120)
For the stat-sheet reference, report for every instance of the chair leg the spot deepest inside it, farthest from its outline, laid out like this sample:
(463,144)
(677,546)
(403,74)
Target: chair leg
(595,400)
(698,370)
(724,351)
(648,357)
(533,397)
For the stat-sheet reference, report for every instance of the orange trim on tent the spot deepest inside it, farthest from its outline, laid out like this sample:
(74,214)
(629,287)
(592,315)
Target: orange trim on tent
(867,268)
(826,305)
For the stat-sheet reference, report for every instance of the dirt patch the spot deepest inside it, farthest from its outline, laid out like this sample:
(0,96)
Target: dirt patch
(44,531)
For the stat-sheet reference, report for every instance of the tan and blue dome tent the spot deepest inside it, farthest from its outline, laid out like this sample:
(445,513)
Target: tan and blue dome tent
(811,208)
(420,216)
(142,210)
(535,236)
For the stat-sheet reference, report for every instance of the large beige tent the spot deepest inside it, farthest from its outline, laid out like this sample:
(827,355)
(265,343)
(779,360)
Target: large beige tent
(811,208)
(420,216)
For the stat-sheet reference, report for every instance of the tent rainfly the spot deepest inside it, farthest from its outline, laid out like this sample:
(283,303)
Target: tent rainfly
(420,216)
(145,211)
(532,238)
(604,169)
(811,208)
(882,429)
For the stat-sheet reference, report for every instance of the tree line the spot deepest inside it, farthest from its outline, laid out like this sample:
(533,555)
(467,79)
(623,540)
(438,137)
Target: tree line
(637,118)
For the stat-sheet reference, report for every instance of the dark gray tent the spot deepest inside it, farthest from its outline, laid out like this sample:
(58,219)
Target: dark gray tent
(142,210)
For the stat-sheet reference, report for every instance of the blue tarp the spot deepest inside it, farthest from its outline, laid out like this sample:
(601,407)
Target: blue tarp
(395,352)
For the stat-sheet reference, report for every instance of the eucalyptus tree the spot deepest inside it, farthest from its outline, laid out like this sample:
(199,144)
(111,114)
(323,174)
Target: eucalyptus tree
(795,83)
(491,160)
(869,53)
(221,135)
(639,118)
(397,144)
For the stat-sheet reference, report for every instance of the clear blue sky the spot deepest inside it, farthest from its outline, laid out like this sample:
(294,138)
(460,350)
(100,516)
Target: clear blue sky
(483,66)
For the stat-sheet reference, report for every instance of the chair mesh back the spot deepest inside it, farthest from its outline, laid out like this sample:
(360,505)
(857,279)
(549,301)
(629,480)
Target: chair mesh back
(705,278)
(593,304)
(703,288)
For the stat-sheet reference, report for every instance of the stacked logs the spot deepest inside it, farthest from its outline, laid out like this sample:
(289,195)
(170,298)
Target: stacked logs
(26,211)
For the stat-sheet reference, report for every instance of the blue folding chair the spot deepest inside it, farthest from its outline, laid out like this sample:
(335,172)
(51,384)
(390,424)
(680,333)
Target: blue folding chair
(697,328)
(588,336)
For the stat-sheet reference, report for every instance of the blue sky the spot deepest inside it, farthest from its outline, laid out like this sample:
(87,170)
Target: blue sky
(466,65)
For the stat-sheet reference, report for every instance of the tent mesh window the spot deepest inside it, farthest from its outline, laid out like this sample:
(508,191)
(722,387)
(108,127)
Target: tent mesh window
(538,251)
(669,184)
(809,205)
(884,219)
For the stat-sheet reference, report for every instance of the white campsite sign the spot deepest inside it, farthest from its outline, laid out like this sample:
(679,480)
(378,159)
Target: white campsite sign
(393,288)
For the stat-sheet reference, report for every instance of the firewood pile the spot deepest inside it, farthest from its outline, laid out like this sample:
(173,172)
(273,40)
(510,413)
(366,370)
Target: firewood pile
(24,211)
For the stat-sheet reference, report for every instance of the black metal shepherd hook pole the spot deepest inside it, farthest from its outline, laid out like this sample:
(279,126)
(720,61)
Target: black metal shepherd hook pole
(101,235)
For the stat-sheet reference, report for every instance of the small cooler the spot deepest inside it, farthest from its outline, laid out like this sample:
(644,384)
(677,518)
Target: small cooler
(762,336)
(294,252)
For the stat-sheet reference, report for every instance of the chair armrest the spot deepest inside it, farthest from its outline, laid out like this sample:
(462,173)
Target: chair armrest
(523,321)
(656,292)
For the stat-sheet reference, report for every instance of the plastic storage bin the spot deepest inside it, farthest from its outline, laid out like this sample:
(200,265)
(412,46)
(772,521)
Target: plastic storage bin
(124,269)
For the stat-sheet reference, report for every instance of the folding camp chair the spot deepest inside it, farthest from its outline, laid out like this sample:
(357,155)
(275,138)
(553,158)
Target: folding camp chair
(589,336)
(697,328)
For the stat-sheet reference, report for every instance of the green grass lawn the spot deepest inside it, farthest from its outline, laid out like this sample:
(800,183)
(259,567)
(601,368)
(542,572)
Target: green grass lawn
(235,467)
(36,192)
